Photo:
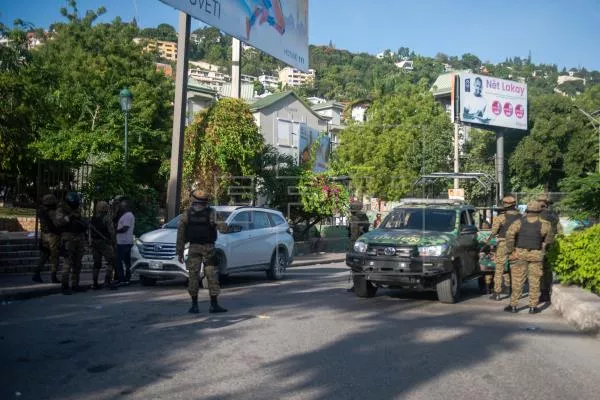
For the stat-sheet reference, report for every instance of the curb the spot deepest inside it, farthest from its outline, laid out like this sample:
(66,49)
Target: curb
(579,307)
(45,289)
(317,262)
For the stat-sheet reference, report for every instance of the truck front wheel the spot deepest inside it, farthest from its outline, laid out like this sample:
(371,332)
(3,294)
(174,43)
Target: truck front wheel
(448,289)
(363,288)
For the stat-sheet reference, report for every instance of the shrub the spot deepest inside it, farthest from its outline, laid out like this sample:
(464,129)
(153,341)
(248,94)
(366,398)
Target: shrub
(575,258)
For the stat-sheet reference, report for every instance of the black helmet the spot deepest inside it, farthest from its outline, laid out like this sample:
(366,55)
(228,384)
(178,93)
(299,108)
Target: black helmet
(72,199)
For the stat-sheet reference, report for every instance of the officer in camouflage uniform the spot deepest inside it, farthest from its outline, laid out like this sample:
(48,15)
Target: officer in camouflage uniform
(102,233)
(50,238)
(358,225)
(552,217)
(198,226)
(499,229)
(526,242)
(73,229)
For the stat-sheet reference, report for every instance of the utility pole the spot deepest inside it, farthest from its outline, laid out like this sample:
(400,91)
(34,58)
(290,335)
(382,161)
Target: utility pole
(456,154)
(595,120)
(236,68)
(500,162)
(181,79)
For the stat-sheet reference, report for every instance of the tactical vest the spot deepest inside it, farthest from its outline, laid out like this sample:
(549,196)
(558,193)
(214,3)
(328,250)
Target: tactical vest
(508,220)
(76,223)
(99,228)
(199,228)
(530,235)
(46,224)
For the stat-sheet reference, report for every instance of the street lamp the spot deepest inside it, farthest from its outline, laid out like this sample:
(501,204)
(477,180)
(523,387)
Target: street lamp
(126,99)
(595,120)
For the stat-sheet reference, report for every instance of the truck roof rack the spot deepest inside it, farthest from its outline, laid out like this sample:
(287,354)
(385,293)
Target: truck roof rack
(415,200)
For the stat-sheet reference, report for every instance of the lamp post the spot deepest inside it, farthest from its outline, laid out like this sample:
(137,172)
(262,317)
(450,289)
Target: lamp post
(595,120)
(126,100)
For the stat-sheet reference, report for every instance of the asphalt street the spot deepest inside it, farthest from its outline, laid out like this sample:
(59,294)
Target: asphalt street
(301,338)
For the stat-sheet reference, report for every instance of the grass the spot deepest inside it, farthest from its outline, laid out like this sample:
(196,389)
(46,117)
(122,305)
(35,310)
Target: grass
(16,212)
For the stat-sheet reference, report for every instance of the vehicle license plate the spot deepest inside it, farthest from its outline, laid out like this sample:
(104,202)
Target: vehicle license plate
(155,265)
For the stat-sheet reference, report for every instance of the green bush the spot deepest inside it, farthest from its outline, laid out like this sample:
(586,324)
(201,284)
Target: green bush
(576,258)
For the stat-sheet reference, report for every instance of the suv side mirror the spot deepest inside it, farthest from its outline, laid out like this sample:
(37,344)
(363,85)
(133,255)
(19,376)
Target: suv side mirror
(233,228)
(468,230)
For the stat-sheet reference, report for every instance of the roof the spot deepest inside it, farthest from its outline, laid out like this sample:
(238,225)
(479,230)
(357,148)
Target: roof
(268,101)
(327,104)
(247,90)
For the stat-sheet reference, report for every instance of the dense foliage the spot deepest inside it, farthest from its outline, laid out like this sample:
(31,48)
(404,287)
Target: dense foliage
(575,258)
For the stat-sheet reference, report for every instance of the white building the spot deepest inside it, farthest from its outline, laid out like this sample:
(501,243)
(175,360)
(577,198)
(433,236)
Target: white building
(247,78)
(268,81)
(359,110)
(406,65)
(569,78)
(292,77)
(316,100)
(212,79)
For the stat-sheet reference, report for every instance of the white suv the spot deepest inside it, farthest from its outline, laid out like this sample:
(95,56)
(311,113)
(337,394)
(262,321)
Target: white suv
(256,239)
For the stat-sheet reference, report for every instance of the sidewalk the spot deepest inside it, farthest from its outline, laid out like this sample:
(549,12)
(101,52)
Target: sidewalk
(20,286)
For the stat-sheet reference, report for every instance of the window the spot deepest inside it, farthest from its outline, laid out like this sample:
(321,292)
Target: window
(260,220)
(243,220)
(421,219)
(464,218)
(276,219)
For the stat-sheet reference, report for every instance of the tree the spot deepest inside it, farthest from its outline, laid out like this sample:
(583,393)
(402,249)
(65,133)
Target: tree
(164,32)
(221,145)
(407,134)
(82,70)
(581,200)
(480,155)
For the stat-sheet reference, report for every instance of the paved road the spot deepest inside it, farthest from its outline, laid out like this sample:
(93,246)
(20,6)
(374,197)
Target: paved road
(302,338)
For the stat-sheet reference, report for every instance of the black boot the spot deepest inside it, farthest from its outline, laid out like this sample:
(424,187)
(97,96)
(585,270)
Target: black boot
(534,310)
(510,309)
(55,278)
(495,296)
(194,308)
(37,277)
(214,306)
(545,296)
(66,290)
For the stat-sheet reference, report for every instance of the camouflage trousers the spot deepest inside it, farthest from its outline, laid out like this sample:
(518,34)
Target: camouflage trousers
(198,254)
(522,270)
(50,248)
(74,246)
(103,249)
(499,273)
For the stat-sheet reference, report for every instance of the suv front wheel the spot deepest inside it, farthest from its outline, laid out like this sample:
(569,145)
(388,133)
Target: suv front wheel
(448,289)
(279,263)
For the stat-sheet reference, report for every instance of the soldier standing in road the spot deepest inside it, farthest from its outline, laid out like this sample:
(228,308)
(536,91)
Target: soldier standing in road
(526,242)
(73,229)
(552,217)
(50,238)
(102,233)
(358,225)
(499,229)
(198,226)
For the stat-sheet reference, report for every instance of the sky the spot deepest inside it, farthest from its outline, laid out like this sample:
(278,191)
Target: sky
(562,32)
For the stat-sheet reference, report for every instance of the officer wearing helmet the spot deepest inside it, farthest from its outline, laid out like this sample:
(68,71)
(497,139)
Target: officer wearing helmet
(499,228)
(50,238)
(552,217)
(358,225)
(526,243)
(102,233)
(198,227)
(73,229)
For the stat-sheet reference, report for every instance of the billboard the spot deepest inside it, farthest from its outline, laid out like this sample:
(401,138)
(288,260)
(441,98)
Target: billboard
(277,27)
(491,101)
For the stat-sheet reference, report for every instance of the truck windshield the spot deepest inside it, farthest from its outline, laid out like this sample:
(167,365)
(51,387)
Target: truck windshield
(421,219)
(221,217)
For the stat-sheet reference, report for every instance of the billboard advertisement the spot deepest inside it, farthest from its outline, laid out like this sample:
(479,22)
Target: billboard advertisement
(277,27)
(486,100)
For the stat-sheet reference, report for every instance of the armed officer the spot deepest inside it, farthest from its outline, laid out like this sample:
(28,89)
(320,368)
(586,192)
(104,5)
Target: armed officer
(526,242)
(359,225)
(50,238)
(499,229)
(552,217)
(198,227)
(102,233)
(73,229)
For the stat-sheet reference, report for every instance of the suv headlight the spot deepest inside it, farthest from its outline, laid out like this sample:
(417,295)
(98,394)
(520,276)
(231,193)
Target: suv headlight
(433,251)
(360,247)
(139,244)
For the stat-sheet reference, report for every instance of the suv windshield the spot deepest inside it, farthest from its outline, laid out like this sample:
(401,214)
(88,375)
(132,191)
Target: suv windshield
(421,219)
(221,217)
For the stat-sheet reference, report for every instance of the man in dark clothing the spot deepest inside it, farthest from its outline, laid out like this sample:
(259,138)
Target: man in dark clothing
(552,217)
(198,227)
(102,234)
(359,224)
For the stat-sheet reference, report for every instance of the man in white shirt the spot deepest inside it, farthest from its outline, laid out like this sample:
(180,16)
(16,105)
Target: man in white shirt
(124,232)
(475,107)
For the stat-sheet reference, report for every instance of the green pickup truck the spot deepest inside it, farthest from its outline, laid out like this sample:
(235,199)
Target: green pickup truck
(423,244)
